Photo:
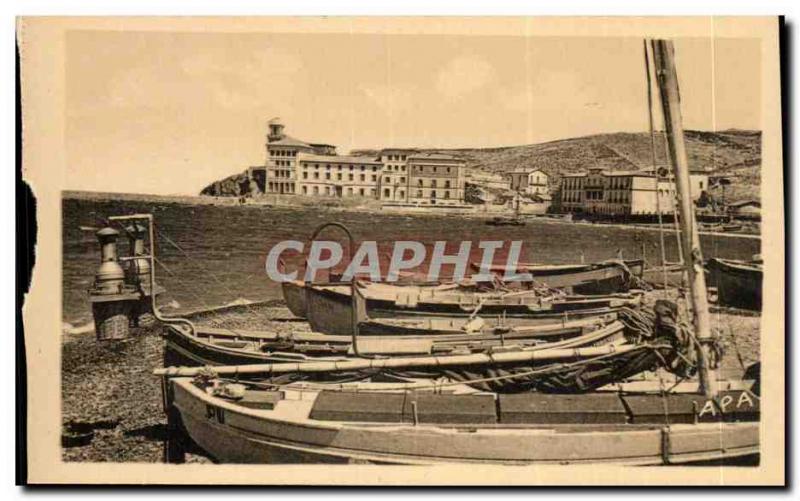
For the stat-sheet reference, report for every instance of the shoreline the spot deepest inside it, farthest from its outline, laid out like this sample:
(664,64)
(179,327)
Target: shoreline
(370,208)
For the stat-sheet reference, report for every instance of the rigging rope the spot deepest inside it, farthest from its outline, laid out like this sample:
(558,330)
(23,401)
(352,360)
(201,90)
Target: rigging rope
(207,272)
(655,166)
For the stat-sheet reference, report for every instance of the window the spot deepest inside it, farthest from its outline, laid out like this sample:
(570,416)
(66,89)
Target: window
(305,175)
(402,180)
(387,179)
(316,175)
(446,194)
(327,175)
(316,190)
(350,177)
(305,190)
(433,193)
(419,193)
(433,183)
(401,193)
(419,182)
(363,177)
(374,177)
(387,193)
(447,184)
(361,191)
(339,176)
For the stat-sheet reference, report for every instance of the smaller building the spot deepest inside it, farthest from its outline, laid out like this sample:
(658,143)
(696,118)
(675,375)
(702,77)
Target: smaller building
(529,181)
(435,179)
(624,193)
(393,182)
(538,183)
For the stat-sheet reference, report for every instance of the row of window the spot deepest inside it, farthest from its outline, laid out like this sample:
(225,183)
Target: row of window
(328,190)
(362,168)
(280,187)
(432,168)
(350,177)
(433,194)
(283,163)
(432,184)
(396,158)
(288,174)
(282,153)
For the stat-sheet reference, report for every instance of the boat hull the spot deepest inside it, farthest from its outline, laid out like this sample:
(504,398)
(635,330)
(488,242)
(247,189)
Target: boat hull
(205,347)
(738,283)
(294,294)
(236,434)
(330,310)
(597,278)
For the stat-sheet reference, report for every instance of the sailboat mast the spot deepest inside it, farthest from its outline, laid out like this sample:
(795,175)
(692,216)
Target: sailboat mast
(664,59)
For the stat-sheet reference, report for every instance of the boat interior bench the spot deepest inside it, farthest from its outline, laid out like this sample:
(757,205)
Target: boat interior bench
(534,408)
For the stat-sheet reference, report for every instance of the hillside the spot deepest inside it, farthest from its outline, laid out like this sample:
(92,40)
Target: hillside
(736,153)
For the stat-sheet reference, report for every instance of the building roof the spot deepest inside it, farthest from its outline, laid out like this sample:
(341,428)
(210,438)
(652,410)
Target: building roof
(435,156)
(398,150)
(287,140)
(628,173)
(527,171)
(342,159)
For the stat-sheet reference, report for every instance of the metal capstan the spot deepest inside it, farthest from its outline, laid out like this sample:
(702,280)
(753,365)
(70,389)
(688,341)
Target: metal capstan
(109,277)
(139,267)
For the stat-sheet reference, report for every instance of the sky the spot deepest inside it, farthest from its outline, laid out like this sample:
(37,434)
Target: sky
(170,112)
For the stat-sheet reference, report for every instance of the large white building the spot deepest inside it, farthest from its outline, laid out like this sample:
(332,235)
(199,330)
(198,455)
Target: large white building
(624,192)
(296,167)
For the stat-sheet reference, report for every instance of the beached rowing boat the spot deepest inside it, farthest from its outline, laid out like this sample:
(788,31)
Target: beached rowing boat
(604,277)
(738,283)
(204,345)
(329,308)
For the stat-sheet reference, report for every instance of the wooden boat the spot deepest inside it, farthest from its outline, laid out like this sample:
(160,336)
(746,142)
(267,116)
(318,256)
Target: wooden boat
(506,221)
(738,283)
(605,277)
(414,422)
(329,307)
(203,345)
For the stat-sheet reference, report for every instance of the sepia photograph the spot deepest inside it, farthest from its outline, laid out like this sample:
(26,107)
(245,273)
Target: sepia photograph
(498,245)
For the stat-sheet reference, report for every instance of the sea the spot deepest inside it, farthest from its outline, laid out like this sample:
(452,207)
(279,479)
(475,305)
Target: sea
(210,255)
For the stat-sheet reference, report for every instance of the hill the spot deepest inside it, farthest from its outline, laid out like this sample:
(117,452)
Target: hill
(735,153)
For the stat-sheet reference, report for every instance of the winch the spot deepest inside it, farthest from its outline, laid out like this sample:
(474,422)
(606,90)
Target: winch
(121,295)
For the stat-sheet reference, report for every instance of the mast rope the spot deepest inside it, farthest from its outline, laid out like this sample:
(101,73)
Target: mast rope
(655,167)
